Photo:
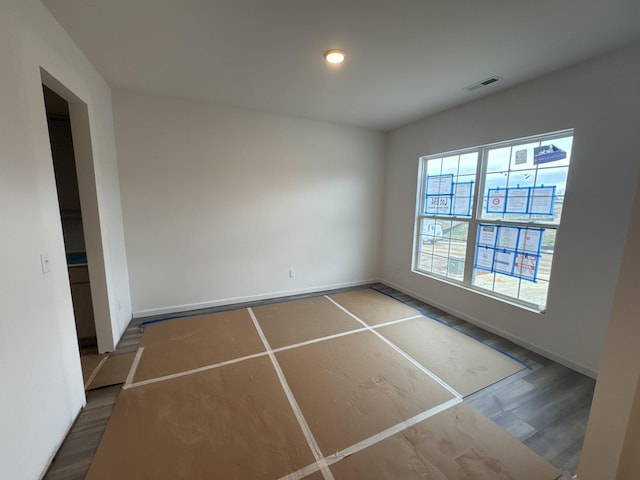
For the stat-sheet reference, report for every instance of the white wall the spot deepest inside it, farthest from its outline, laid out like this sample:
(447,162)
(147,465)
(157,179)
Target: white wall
(220,203)
(600,100)
(612,440)
(42,389)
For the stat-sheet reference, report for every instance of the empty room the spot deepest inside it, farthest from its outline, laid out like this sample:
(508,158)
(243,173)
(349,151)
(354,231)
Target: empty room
(327,240)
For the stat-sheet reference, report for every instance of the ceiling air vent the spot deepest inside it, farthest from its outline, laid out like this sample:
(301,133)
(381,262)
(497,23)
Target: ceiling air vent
(483,83)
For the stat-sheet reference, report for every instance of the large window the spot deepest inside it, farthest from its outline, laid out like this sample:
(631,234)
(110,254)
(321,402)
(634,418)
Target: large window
(487,217)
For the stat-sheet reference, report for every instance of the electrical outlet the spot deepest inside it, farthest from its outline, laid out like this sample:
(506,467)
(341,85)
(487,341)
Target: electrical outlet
(292,273)
(45,262)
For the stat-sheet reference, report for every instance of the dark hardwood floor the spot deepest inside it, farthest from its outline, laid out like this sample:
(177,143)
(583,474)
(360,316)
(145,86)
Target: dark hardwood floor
(546,407)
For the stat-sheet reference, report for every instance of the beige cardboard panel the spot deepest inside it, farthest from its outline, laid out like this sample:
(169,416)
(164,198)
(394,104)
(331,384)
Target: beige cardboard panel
(89,363)
(457,444)
(353,387)
(462,362)
(187,343)
(232,422)
(113,371)
(372,307)
(297,321)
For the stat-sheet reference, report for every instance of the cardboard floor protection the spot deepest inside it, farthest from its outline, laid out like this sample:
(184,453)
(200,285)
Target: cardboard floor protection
(184,344)
(457,444)
(113,371)
(314,476)
(372,307)
(465,364)
(235,421)
(352,387)
(232,422)
(89,363)
(288,323)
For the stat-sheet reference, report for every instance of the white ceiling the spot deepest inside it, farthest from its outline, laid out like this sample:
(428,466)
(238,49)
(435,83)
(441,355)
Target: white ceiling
(406,58)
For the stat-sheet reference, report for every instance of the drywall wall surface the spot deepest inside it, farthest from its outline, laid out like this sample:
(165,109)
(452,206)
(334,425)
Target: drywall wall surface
(42,389)
(629,461)
(612,438)
(598,99)
(220,204)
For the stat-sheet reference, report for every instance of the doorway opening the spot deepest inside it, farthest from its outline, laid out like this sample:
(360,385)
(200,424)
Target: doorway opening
(64,165)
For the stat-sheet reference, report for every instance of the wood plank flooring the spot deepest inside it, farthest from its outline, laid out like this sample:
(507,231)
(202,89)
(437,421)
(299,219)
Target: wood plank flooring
(546,408)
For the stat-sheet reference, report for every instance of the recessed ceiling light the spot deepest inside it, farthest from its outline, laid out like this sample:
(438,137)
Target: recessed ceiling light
(334,56)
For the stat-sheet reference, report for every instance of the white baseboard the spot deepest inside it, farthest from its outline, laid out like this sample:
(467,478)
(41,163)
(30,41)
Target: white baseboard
(523,343)
(249,298)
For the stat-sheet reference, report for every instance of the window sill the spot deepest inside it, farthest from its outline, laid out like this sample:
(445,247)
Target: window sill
(485,293)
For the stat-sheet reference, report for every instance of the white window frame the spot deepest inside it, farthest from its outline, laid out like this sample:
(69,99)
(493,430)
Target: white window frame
(476,217)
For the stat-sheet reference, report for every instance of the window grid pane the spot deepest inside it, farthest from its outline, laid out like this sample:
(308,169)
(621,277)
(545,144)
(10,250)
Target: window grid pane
(522,185)
(448,189)
(442,247)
